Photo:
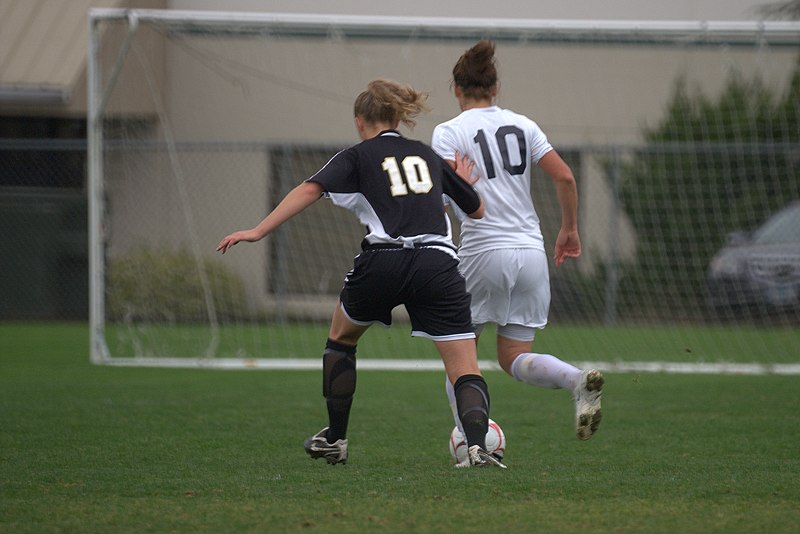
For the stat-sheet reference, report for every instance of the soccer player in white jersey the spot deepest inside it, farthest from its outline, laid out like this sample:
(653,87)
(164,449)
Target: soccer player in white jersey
(503,254)
(394,186)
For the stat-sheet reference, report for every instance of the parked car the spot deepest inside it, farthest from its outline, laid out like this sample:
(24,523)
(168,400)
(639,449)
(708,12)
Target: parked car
(759,271)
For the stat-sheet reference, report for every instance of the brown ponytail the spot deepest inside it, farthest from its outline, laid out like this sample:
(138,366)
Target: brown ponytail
(476,71)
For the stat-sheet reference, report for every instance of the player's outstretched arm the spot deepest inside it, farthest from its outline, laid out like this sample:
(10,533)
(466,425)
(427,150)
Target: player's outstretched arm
(293,203)
(568,242)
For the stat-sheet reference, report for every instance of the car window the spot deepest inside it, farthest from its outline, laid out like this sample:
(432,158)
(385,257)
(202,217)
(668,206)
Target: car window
(783,227)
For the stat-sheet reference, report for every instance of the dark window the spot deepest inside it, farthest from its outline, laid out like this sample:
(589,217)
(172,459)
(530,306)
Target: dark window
(42,152)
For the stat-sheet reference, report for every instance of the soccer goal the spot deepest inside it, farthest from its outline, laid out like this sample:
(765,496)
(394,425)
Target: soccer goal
(680,134)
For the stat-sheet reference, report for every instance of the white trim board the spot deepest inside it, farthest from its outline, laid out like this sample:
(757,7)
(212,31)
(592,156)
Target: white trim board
(719,368)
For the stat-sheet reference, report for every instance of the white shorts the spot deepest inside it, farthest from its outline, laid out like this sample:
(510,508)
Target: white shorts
(509,287)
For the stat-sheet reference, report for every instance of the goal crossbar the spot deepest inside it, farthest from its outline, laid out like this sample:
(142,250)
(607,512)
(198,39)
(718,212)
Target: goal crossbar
(773,33)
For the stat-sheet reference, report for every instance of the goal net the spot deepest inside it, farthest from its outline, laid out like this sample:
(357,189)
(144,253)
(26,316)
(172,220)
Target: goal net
(683,138)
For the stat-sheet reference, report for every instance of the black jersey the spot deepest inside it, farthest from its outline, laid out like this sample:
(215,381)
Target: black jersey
(394,186)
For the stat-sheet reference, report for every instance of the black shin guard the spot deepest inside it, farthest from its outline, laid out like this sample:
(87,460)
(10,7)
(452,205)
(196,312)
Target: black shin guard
(338,386)
(472,401)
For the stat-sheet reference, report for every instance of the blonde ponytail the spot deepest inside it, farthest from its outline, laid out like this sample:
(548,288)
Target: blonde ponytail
(389,101)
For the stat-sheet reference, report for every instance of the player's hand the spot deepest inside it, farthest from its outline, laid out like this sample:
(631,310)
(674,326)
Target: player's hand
(568,245)
(230,240)
(464,167)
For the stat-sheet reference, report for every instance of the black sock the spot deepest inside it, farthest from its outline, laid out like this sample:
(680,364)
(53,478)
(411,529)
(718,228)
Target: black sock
(472,401)
(338,386)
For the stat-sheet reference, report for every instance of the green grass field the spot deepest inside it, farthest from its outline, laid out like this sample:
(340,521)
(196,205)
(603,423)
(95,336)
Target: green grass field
(88,448)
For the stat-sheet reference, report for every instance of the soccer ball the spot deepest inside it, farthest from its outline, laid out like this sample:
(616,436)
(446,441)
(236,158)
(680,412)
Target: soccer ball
(495,443)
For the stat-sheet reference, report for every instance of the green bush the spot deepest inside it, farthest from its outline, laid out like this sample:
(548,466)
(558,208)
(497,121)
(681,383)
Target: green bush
(710,167)
(164,285)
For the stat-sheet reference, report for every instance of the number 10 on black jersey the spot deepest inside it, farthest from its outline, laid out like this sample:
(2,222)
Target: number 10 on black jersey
(415,175)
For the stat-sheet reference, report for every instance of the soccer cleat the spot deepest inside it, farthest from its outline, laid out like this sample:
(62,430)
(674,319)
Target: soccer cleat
(477,457)
(317,446)
(587,403)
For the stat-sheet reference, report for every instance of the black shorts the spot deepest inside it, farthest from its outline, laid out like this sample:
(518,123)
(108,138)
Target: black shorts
(425,279)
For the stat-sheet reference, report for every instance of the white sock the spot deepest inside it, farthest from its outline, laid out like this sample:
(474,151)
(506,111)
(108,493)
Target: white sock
(451,397)
(545,371)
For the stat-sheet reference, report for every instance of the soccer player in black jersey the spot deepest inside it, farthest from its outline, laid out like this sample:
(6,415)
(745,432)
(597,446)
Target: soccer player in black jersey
(394,186)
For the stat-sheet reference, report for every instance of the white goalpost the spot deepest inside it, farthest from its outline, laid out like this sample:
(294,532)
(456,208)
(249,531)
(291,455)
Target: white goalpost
(200,122)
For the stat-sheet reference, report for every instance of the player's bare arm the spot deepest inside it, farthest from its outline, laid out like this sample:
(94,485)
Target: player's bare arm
(293,203)
(568,242)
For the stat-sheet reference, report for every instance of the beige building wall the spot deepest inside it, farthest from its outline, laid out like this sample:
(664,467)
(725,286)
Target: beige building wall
(302,92)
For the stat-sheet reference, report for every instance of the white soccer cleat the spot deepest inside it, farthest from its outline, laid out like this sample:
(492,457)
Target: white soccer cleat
(587,403)
(477,457)
(317,446)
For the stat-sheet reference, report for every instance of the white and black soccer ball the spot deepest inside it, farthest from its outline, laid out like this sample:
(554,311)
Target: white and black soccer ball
(495,443)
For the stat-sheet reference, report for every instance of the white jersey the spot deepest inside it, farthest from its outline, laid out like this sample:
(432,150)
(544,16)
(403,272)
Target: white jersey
(504,145)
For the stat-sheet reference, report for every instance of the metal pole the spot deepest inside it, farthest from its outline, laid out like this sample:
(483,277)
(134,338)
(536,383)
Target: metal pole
(280,239)
(612,266)
(774,33)
(98,348)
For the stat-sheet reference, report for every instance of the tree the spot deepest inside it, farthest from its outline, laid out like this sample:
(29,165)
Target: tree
(789,9)
(710,167)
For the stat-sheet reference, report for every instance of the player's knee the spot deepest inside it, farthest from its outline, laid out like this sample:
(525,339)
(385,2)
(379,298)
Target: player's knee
(511,342)
(506,360)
